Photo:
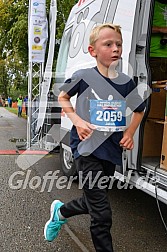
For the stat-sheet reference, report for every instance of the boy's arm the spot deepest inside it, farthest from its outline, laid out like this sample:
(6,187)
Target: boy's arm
(84,129)
(127,140)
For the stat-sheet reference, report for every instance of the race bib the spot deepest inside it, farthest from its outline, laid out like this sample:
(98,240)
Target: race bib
(108,115)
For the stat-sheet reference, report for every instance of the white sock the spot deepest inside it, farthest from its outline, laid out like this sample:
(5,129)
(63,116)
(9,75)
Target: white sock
(61,217)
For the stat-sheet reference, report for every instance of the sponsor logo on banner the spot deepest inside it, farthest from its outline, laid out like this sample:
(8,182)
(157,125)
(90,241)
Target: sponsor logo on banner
(38,48)
(38,31)
(37,40)
(35,4)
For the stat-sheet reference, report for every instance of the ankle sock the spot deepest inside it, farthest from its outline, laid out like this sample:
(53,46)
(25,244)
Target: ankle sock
(61,217)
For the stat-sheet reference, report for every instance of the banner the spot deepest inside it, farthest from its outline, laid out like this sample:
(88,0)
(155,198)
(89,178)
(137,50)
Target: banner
(38,31)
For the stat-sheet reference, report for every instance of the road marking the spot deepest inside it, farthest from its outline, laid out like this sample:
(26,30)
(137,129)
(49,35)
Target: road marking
(23,152)
(8,152)
(75,239)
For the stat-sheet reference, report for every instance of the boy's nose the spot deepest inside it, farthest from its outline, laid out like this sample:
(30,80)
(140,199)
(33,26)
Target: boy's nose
(115,48)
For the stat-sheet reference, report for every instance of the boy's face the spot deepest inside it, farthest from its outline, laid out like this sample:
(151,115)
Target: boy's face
(108,47)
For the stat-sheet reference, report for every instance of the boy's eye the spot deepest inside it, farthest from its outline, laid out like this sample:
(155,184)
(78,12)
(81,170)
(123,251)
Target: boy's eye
(111,44)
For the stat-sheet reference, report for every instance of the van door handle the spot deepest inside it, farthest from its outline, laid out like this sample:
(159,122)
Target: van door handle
(142,77)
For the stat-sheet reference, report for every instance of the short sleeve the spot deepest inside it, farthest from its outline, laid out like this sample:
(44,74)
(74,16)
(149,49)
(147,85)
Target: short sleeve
(71,85)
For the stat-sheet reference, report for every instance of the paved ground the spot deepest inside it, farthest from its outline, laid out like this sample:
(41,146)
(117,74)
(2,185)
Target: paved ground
(23,212)
(25,202)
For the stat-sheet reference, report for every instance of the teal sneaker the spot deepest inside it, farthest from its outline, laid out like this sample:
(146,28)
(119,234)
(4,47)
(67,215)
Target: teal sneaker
(53,225)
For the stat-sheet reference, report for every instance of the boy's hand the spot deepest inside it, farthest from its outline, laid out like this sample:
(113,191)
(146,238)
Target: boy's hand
(84,129)
(127,141)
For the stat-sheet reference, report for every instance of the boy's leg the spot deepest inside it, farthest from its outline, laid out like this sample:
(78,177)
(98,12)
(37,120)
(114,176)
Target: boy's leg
(74,207)
(57,211)
(95,202)
(59,215)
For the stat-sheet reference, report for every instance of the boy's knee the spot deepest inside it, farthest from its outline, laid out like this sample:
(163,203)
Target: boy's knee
(103,218)
(104,223)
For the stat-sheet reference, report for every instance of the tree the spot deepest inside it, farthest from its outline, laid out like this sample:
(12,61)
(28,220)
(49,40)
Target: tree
(13,28)
(13,43)
(3,77)
(64,7)
(14,39)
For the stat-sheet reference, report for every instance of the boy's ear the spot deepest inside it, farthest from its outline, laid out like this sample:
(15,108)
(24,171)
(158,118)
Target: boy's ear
(91,50)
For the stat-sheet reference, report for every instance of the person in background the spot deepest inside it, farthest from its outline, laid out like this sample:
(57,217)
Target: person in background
(3,99)
(6,102)
(19,105)
(158,48)
(9,101)
(26,104)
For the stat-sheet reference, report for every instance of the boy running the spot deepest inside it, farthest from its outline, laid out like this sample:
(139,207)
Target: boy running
(99,132)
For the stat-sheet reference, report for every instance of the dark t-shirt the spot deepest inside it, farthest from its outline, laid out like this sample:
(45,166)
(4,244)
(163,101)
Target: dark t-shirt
(89,84)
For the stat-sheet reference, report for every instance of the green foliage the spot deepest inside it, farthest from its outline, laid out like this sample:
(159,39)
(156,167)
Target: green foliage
(64,7)
(13,28)
(3,77)
(14,42)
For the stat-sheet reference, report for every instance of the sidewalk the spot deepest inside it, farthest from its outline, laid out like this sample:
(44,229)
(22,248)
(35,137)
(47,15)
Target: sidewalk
(11,128)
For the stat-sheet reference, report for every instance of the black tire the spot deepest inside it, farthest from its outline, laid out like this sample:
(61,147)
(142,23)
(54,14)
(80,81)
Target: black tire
(67,163)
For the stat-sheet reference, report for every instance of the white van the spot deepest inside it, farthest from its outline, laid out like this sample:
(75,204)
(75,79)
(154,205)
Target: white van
(148,160)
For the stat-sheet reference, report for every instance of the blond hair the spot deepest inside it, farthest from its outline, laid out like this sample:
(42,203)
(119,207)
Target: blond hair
(96,30)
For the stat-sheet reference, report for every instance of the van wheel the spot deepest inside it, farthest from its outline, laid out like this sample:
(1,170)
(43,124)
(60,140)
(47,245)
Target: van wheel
(67,162)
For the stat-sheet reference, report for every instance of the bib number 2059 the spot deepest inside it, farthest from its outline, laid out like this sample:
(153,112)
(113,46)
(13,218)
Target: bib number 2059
(109,116)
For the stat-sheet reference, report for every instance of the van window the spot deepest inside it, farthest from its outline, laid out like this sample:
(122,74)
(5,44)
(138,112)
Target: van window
(63,52)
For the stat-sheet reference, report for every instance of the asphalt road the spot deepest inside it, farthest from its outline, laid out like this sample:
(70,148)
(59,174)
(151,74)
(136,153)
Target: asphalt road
(26,198)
